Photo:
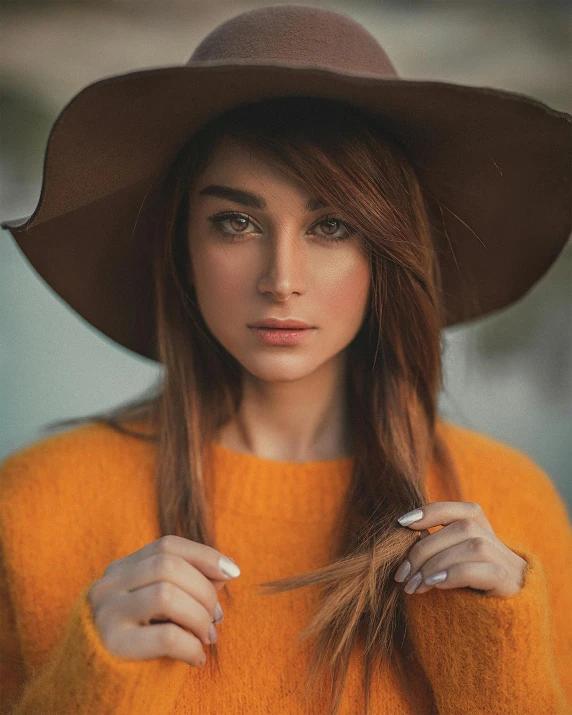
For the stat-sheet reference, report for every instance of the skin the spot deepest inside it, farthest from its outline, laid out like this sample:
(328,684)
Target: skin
(293,408)
(281,265)
(466,549)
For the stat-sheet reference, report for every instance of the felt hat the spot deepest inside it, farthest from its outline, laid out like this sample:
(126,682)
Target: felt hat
(495,165)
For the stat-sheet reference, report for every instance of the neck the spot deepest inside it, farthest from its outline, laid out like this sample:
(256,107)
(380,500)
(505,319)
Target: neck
(297,421)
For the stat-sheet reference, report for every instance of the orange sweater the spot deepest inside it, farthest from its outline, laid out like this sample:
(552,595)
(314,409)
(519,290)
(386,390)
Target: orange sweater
(74,502)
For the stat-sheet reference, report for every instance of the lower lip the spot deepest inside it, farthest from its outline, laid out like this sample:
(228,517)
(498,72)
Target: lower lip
(281,337)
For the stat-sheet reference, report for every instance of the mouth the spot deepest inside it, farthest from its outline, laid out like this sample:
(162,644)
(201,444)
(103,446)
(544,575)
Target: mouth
(281,336)
(277,324)
(267,327)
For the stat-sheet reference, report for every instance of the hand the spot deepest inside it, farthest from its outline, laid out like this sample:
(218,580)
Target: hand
(159,601)
(466,549)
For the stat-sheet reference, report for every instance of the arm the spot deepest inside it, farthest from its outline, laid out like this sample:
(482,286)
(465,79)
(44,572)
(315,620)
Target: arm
(52,660)
(510,654)
(80,676)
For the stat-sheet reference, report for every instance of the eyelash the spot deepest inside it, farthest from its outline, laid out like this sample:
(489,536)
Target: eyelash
(218,219)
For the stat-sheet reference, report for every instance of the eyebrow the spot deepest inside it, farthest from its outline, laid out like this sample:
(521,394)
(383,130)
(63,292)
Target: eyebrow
(239,196)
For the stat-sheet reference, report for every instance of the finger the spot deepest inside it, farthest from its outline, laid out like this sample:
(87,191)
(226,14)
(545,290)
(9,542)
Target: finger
(475,575)
(161,601)
(479,549)
(441,513)
(171,568)
(157,641)
(480,546)
(203,557)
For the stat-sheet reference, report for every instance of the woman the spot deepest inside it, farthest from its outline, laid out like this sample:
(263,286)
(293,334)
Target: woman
(433,558)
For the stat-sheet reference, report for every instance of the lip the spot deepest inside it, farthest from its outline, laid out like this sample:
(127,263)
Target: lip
(282,324)
(274,336)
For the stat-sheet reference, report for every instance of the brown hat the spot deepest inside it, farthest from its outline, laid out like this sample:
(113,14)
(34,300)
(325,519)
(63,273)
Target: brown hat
(496,166)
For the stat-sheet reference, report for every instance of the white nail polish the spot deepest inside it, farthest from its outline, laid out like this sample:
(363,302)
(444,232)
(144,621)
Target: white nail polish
(413,583)
(228,567)
(436,578)
(411,517)
(403,571)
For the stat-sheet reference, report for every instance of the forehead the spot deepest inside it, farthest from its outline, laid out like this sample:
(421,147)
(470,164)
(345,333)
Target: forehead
(248,167)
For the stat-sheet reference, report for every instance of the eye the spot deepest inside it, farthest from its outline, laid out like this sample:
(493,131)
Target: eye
(332,223)
(238,223)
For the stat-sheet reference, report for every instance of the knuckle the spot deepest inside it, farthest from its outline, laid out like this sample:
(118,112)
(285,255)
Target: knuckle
(163,593)
(163,564)
(466,527)
(168,638)
(475,508)
(166,543)
(111,569)
(479,545)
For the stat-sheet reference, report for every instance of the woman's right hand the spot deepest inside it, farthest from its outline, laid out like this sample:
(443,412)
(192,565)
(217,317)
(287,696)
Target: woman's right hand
(160,601)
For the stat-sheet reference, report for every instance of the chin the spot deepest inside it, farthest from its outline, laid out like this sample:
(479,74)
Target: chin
(272,371)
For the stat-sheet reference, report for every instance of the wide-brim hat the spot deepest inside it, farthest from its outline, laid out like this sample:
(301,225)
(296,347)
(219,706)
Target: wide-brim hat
(496,166)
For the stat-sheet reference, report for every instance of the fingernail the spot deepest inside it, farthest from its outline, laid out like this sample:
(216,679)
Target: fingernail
(228,567)
(410,517)
(402,571)
(218,614)
(213,637)
(413,582)
(436,578)
(203,659)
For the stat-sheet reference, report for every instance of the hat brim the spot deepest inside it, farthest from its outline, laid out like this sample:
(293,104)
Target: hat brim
(494,165)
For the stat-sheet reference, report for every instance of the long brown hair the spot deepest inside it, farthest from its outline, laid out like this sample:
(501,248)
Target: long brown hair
(344,155)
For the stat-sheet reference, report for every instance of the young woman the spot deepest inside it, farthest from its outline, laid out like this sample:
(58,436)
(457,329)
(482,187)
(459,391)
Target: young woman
(285,259)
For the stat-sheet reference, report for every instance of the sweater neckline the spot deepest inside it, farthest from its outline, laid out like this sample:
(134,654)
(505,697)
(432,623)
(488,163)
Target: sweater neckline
(257,461)
(277,490)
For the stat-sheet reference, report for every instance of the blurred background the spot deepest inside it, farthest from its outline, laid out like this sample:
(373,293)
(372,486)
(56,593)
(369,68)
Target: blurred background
(508,375)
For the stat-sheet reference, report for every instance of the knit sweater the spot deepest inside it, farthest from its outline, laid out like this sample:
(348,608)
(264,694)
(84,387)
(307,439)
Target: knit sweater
(73,502)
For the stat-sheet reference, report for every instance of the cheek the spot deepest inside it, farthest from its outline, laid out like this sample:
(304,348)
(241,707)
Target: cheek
(219,283)
(345,292)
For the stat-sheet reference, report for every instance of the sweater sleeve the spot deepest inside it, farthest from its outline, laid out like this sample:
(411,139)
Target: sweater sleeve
(81,676)
(507,654)
(52,659)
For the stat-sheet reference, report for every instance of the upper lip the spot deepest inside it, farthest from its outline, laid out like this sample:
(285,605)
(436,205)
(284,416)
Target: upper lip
(280,323)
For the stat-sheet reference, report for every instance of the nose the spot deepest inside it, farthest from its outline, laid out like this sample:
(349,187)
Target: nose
(284,265)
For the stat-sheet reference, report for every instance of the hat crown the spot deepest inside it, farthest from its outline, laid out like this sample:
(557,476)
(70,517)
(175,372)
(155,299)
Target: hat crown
(296,35)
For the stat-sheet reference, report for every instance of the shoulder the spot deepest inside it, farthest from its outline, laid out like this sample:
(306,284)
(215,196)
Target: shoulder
(519,499)
(70,461)
(70,503)
(475,452)
(504,480)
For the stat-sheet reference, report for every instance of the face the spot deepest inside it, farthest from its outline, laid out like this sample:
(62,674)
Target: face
(264,251)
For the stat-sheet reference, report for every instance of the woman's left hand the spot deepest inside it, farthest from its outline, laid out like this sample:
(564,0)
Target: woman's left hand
(466,550)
